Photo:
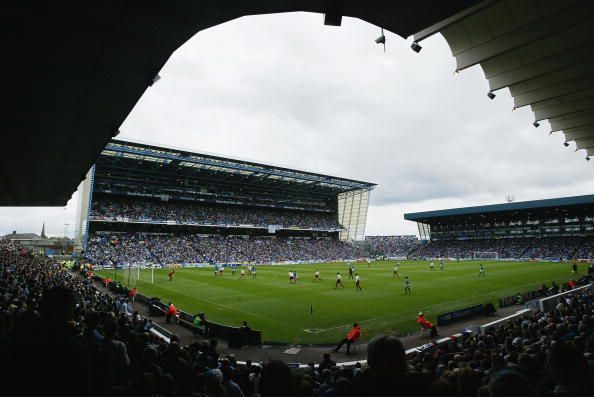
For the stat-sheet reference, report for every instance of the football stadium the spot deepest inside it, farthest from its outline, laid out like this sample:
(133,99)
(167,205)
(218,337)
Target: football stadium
(197,274)
(149,210)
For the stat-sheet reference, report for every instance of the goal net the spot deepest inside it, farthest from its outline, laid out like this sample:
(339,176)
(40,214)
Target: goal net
(485,255)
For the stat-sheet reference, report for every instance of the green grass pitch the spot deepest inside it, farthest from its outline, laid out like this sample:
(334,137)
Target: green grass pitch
(282,310)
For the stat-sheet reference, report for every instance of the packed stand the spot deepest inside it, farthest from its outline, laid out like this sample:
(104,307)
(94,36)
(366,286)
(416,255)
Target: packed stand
(192,214)
(61,337)
(466,249)
(586,249)
(556,248)
(392,246)
(543,354)
(126,249)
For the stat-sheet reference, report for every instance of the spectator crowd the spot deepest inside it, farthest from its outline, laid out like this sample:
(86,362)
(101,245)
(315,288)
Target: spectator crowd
(60,336)
(129,248)
(167,248)
(392,246)
(195,214)
(556,248)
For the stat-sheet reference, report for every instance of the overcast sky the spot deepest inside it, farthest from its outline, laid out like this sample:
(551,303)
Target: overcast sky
(287,90)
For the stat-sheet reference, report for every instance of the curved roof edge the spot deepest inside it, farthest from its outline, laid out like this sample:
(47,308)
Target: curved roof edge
(543,52)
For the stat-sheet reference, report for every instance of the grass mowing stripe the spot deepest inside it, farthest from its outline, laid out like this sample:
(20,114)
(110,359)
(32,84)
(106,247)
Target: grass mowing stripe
(230,307)
(283,311)
(424,309)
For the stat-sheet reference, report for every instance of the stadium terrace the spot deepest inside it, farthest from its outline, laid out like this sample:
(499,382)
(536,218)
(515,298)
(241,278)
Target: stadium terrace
(148,197)
(557,229)
(567,216)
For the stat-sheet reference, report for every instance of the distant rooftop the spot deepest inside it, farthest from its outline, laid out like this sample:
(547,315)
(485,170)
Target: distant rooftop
(21,236)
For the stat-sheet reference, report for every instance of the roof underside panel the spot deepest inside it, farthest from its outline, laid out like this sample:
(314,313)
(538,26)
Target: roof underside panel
(76,70)
(137,156)
(542,50)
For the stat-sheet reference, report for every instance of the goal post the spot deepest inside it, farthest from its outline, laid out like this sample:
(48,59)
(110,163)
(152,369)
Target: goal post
(486,255)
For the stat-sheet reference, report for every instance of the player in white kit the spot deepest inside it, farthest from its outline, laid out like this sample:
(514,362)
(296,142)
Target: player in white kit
(338,281)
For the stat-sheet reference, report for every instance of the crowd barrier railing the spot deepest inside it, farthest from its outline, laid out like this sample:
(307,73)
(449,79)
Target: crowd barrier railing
(544,304)
(483,328)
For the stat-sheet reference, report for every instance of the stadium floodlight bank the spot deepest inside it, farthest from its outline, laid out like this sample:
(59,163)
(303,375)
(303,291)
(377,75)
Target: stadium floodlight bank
(135,177)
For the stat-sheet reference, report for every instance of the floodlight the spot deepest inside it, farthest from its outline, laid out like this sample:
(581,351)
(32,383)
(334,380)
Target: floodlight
(382,40)
(491,95)
(416,47)
(535,124)
(154,80)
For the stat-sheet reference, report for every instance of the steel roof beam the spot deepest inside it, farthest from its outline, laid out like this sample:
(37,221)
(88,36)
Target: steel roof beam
(125,178)
(584,145)
(577,133)
(554,78)
(545,66)
(438,27)
(563,100)
(237,168)
(558,22)
(579,121)
(566,109)
(555,91)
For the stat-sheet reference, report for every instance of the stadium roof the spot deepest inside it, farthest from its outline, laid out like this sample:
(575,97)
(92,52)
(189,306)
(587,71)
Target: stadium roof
(543,51)
(74,71)
(568,206)
(217,168)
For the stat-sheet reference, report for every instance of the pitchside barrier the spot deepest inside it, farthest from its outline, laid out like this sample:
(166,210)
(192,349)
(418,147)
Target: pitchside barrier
(548,303)
(483,328)
(459,314)
(512,300)
(235,336)
(410,353)
(161,332)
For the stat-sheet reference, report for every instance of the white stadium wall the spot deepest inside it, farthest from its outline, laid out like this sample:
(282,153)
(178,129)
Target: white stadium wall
(82,211)
(352,214)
